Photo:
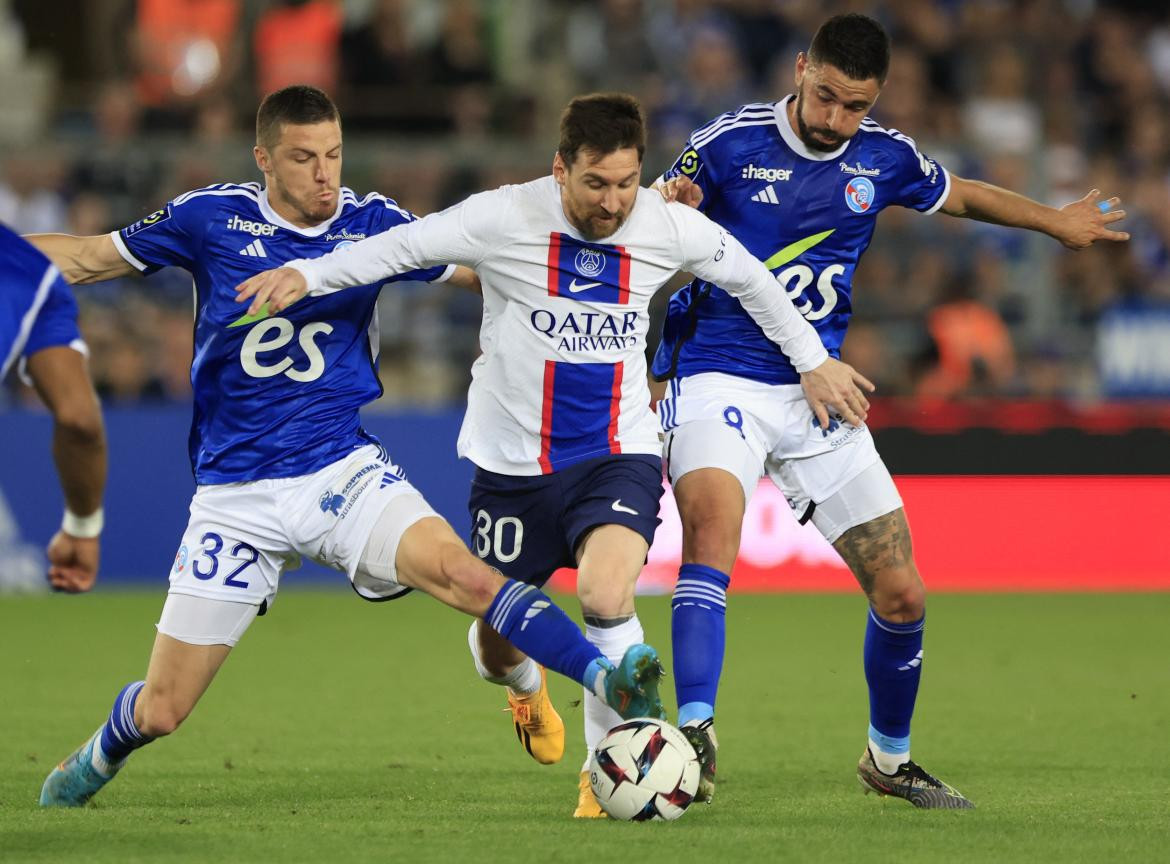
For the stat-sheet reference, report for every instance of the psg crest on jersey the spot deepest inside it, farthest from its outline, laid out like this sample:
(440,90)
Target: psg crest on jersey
(859,194)
(589,262)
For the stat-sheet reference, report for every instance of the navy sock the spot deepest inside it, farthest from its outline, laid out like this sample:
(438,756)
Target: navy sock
(698,628)
(524,615)
(120,737)
(893,667)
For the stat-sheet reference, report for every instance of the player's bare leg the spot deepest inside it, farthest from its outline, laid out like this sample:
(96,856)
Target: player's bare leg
(178,675)
(609,559)
(711,505)
(880,554)
(538,726)
(431,558)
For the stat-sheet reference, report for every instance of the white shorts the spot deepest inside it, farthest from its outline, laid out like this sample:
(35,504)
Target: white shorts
(751,430)
(350,516)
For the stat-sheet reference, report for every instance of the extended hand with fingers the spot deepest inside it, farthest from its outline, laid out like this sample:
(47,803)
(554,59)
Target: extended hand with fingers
(837,387)
(1086,221)
(278,289)
(683,190)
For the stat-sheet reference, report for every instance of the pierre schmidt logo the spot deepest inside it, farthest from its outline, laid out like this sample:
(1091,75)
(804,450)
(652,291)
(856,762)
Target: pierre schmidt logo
(256,229)
(343,234)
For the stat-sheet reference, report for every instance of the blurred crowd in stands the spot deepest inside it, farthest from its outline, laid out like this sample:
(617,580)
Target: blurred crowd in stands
(113,108)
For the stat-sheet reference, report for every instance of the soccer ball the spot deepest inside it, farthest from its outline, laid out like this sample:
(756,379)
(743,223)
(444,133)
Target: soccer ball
(644,769)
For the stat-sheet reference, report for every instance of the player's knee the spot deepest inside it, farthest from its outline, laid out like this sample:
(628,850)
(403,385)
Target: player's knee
(81,422)
(606,600)
(902,602)
(473,585)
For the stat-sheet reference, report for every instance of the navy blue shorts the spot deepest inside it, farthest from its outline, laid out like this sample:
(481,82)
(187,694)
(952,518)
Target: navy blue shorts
(527,527)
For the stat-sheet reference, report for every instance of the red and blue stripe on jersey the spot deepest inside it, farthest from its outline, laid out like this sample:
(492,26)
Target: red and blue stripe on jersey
(581,402)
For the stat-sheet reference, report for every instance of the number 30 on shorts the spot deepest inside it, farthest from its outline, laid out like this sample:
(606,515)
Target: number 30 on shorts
(506,538)
(212,546)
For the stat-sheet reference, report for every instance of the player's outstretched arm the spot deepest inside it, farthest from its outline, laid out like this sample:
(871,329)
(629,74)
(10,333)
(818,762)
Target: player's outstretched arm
(82,260)
(62,381)
(1077,225)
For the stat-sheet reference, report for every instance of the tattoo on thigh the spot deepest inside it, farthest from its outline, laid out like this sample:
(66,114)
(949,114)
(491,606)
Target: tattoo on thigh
(876,545)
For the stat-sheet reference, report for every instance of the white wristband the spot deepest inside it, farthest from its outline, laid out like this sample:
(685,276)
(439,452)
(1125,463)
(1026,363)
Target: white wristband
(83,527)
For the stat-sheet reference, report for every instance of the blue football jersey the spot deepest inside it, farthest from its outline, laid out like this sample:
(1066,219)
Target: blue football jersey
(808,216)
(37,309)
(275,396)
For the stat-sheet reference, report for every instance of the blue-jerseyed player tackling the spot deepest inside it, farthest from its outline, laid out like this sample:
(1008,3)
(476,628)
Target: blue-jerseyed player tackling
(282,464)
(800,183)
(38,332)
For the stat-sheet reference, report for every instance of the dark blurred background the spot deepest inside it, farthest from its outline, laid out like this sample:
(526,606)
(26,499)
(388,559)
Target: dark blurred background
(995,351)
(111,107)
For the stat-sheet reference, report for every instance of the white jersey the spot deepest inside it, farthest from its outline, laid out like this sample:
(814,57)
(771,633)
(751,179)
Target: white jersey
(562,377)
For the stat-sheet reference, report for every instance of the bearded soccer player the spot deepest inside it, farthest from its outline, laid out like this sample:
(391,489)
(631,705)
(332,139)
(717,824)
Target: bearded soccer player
(38,327)
(558,423)
(800,182)
(282,465)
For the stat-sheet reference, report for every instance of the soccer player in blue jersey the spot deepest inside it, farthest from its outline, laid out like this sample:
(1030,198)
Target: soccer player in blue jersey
(282,464)
(38,326)
(800,183)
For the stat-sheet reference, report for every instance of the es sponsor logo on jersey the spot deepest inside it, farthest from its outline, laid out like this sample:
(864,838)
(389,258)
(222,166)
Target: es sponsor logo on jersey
(258,355)
(587,331)
(153,219)
(255,249)
(768,175)
(256,229)
(860,194)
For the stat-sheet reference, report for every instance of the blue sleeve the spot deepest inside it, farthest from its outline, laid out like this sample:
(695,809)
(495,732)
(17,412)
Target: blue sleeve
(695,163)
(56,325)
(170,237)
(922,183)
(395,215)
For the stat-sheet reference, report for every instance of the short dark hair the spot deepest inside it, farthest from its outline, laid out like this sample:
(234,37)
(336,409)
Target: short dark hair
(299,104)
(602,123)
(856,44)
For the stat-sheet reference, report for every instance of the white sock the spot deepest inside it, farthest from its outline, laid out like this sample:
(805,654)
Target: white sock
(612,642)
(522,680)
(887,763)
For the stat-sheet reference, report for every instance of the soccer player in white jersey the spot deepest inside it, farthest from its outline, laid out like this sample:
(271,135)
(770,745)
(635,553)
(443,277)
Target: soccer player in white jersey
(282,464)
(38,327)
(800,183)
(558,423)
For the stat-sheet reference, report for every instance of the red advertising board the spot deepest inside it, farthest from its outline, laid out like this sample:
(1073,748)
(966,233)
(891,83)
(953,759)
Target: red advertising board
(970,534)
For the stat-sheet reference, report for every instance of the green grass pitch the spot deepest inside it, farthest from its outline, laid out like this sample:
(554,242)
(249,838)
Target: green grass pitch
(347,731)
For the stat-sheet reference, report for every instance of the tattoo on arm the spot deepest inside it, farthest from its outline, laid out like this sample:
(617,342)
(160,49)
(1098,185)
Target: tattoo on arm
(876,545)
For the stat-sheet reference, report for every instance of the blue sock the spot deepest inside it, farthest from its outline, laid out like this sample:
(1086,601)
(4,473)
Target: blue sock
(893,667)
(120,737)
(698,628)
(524,615)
